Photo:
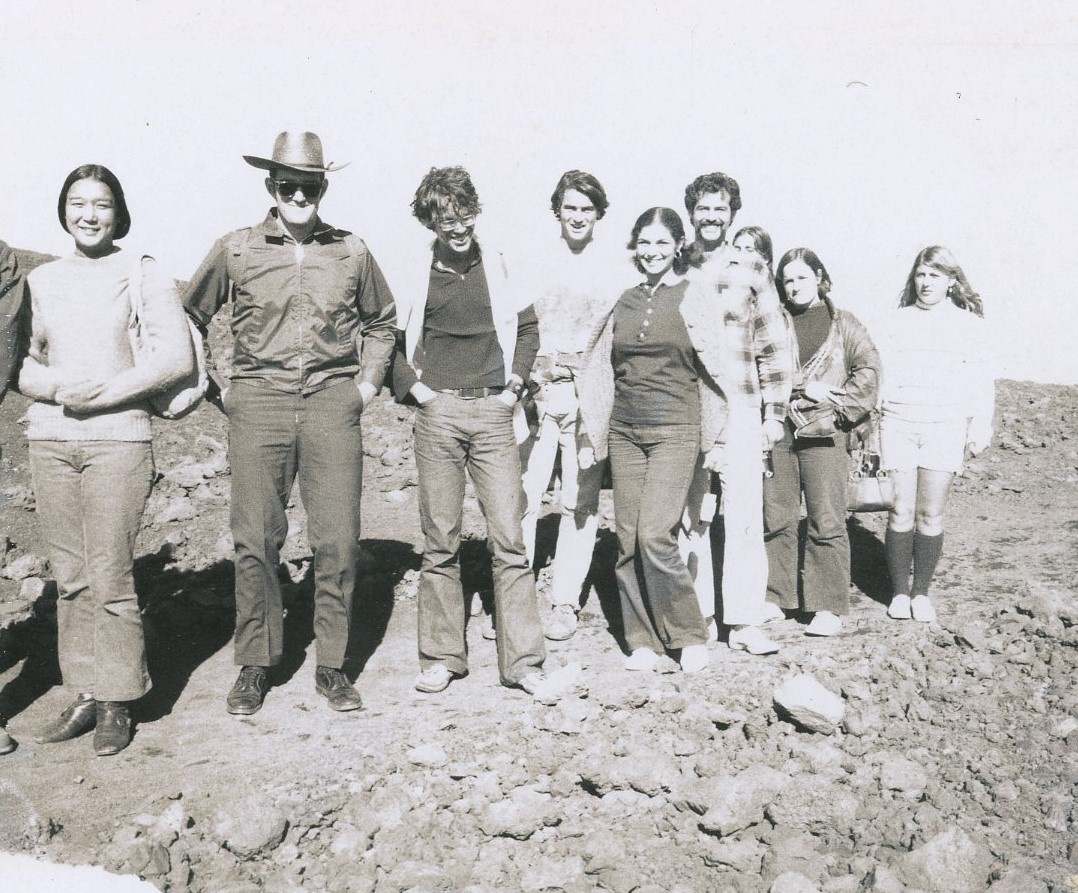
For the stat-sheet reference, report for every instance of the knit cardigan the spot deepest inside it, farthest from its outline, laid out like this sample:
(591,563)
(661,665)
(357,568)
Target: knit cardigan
(703,321)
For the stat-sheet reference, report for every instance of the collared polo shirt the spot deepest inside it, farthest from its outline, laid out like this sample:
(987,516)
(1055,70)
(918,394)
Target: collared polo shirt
(655,380)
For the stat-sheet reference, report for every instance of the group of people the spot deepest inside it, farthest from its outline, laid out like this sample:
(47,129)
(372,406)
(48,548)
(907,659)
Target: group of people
(714,386)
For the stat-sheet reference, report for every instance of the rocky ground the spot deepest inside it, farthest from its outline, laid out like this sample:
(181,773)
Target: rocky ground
(895,757)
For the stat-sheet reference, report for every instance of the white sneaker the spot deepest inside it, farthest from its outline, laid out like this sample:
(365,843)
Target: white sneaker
(899,609)
(433,679)
(752,640)
(531,681)
(489,632)
(922,610)
(562,623)
(641,659)
(824,623)
(694,658)
(771,612)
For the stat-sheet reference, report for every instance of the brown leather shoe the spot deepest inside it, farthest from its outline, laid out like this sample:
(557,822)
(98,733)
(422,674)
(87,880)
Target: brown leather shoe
(113,732)
(332,684)
(74,721)
(248,692)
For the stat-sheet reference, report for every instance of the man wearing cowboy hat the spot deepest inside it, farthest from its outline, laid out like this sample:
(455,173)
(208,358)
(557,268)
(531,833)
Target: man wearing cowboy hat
(313,324)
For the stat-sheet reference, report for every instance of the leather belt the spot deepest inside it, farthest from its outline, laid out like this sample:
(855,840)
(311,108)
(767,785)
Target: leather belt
(472,393)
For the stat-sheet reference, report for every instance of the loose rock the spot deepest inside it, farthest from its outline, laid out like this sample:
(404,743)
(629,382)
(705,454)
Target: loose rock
(809,704)
(951,862)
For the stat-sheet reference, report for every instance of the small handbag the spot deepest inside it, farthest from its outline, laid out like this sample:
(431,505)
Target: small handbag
(811,419)
(181,398)
(870,488)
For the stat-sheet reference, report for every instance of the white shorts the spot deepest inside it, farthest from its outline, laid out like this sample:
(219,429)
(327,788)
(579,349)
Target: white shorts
(934,446)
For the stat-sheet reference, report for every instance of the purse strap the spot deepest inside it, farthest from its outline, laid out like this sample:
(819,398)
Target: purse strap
(134,292)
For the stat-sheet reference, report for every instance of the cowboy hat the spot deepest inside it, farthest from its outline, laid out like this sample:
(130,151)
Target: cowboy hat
(295,151)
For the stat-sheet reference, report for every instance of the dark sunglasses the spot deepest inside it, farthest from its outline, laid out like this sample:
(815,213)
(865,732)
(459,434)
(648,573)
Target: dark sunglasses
(286,189)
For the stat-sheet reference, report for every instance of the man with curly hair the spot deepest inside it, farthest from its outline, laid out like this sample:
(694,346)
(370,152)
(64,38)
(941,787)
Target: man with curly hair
(752,347)
(467,346)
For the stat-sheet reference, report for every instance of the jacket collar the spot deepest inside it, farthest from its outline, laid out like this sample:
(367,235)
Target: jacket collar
(275,234)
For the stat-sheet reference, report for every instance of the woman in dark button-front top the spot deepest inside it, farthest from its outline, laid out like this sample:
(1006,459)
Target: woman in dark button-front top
(654,414)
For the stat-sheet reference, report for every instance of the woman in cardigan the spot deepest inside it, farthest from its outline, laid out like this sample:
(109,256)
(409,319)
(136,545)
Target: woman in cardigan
(90,457)
(938,401)
(641,401)
(836,385)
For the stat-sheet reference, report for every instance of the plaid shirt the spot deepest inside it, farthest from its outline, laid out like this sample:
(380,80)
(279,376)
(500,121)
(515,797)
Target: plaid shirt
(751,348)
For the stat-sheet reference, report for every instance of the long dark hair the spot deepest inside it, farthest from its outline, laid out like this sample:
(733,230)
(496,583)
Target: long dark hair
(761,239)
(808,257)
(103,175)
(669,218)
(961,293)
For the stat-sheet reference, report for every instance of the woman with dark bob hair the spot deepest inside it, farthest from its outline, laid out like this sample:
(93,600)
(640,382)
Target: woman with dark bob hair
(572,275)
(836,386)
(937,406)
(89,433)
(649,399)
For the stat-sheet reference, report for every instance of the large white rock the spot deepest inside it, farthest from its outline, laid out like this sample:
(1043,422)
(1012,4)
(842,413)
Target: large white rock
(793,882)
(897,773)
(739,801)
(28,875)
(249,826)
(428,755)
(951,862)
(809,704)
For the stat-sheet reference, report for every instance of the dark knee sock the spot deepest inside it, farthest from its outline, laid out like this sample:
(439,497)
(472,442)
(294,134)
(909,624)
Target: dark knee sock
(899,549)
(926,552)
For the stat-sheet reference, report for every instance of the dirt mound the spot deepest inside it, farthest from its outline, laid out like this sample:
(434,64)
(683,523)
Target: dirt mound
(954,766)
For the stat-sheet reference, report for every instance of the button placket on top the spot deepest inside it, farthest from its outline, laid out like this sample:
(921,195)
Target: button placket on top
(298,313)
(646,323)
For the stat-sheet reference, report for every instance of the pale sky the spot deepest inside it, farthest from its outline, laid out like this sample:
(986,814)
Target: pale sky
(863,130)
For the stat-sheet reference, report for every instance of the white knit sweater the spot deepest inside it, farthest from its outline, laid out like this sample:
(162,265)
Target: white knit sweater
(81,313)
(938,367)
